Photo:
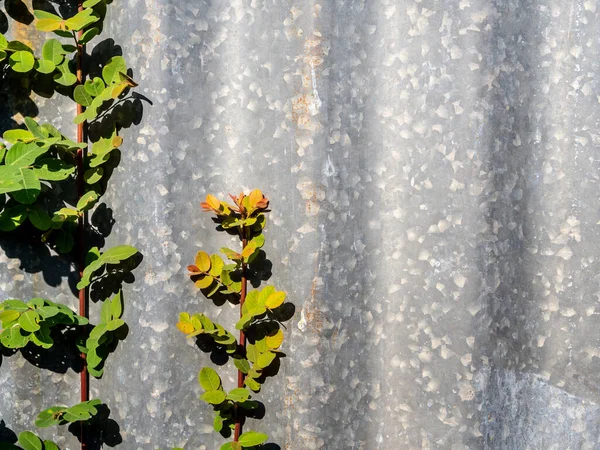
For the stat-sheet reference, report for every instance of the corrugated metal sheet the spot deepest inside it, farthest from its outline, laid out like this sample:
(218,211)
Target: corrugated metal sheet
(433,172)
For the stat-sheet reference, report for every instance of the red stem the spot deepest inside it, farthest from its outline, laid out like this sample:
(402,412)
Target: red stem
(83,303)
(241,376)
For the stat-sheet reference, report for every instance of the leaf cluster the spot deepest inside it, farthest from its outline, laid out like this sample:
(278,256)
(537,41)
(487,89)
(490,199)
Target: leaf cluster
(38,168)
(30,441)
(61,415)
(102,337)
(260,313)
(23,323)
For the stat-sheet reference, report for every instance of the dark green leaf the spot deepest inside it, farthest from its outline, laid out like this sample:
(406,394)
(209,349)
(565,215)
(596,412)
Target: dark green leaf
(52,169)
(12,217)
(40,218)
(30,187)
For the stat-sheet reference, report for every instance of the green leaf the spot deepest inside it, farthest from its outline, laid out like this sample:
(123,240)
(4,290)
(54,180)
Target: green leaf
(213,397)
(64,242)
(209,379)
(94,87)
(88,35)
(35,129)
(49,445)
(231,446)
(12,217)
(13,338)
(53,51)
(238,395)
(65,215)
(3,42)
(21,61)
(98,331)
(92,359)
(65,77)
(81,20)
(31,187)
(3,55)
(216,266)
(81,96)
(24,155)
(42,338)
(8,316)
(44,66)
(117,254)
(251,353)
(16,135)
(49,417)
(94,175)
(40,218)
(52,169)
(30,441)
(105,315)
(252,438)
(218,423)
(17,305)
(90,3)
(114,324)
(116,306)
(245,320)
(87,201)
(111,70)
(29,321)
(265,359)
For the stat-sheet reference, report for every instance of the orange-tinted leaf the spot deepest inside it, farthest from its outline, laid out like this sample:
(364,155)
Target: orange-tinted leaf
(255,196)
(212,201)
(117,141)
(248,250)
(185,327)
(203,261)
(193,269)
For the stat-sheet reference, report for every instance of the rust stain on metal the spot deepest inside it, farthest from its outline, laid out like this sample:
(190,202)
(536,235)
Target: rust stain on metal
(26,33)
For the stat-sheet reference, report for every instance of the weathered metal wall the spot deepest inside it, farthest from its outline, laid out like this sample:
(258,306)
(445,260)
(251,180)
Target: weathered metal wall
(433,172)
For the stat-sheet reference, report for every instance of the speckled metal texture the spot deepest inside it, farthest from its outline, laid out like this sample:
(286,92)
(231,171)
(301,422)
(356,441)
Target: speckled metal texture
(433,170)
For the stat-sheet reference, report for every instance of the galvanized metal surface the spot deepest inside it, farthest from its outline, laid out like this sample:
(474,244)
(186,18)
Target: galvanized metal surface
(433,172)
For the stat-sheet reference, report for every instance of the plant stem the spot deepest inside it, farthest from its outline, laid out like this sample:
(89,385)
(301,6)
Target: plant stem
(238,418)
(83,306)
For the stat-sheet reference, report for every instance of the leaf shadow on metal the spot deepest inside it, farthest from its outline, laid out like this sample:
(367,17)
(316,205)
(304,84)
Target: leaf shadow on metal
(7,436)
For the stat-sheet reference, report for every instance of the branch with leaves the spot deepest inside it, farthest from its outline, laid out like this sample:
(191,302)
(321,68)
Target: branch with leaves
(40,168)
(262,312)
